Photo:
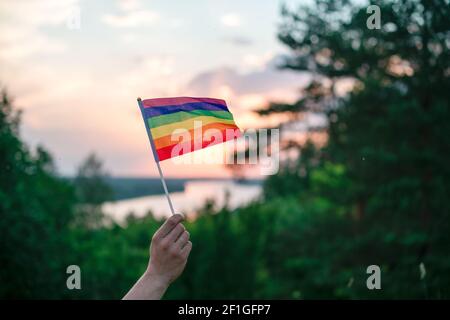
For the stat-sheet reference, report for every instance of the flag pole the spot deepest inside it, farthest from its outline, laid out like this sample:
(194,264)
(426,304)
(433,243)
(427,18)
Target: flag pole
(155,155)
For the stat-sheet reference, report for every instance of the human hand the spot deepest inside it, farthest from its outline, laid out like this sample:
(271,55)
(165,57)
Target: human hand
(169,251)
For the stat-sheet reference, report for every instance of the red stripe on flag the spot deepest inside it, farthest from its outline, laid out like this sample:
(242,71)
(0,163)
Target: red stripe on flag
(166,152)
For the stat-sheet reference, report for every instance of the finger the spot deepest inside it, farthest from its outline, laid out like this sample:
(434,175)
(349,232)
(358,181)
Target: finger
(168,226)
(175,233)
(182,240)
(186,249)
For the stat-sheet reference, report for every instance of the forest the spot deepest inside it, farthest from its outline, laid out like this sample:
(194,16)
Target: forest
(376,192)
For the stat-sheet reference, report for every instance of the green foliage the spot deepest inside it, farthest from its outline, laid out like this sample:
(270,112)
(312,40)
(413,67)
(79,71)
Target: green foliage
(92,190)
(382,182)
(293,176)
(111,258)
(90,184)
(35,208)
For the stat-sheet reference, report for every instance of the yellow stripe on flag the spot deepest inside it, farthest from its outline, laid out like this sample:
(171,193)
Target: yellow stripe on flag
(188,124)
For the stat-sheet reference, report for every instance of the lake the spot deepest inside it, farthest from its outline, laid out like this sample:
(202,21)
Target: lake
(194,196)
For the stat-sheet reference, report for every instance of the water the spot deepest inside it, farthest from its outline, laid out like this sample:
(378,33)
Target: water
(194,196)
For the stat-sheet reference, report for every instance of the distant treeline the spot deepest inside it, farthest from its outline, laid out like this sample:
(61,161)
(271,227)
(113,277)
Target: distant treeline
(134,187)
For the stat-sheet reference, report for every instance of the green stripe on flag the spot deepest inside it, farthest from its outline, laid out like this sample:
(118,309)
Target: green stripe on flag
(184,115)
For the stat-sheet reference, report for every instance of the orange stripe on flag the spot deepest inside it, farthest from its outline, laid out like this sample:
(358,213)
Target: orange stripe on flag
(175,138)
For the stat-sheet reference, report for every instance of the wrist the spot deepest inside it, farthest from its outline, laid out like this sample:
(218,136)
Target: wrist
(156,279)
(150,286)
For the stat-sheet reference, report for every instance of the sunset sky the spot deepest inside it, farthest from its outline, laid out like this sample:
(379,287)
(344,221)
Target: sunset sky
(78,86)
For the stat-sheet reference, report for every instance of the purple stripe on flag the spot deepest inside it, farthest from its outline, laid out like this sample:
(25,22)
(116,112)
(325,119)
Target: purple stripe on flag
(158,102)
(157,111)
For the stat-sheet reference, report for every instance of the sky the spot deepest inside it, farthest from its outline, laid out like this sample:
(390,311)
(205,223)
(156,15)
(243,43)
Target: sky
(75,68)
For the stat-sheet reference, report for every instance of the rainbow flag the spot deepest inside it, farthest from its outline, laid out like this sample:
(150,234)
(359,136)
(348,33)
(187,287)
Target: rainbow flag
(176,126)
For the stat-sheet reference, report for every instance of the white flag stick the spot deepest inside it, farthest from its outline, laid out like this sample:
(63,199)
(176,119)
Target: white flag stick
(155,155)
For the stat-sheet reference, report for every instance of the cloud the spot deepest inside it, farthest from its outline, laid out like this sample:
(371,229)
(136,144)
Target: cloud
(35,13)
(37,44)
(247,91)
(259,81)
(21,26)
(258,61)
(131,19)
(238,40)
(129,5)
(175,23)
(231,20)
(132,15)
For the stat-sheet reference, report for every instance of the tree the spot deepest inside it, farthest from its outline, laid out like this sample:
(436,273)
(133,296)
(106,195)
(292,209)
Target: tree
(35,209)
(92,191)
(387,131)
(393,114)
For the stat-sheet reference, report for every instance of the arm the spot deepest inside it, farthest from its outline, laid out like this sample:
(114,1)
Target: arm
(169,251)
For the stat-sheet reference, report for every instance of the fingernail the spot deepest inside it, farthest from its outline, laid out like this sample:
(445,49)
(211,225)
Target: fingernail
(179,216)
